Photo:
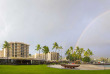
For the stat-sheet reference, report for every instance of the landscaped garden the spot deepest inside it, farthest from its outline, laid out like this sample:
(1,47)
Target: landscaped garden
(43,69)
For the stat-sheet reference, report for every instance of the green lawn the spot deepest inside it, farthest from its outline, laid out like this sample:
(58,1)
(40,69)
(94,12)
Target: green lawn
(43,69)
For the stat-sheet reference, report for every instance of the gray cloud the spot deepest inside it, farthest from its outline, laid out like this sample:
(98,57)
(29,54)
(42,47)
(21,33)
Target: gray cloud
(97,36)
(47,21)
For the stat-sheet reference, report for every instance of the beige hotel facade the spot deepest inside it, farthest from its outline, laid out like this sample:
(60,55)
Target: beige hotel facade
(49,56)
(17,49)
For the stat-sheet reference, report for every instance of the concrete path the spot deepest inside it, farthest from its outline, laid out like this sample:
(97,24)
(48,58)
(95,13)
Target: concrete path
(82,67)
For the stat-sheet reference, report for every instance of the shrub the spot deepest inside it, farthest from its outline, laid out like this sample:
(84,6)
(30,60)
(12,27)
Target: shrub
(86,59)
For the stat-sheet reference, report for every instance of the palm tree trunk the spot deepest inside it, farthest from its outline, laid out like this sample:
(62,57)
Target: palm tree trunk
(45,56)
(69,57)
(7,55)
(39,56)
(55,55)
(61,54)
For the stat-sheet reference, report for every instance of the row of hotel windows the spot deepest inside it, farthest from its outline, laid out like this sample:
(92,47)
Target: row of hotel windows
(22,50)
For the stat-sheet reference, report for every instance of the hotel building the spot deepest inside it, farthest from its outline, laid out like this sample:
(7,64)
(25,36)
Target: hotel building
(49,56)
(17,49)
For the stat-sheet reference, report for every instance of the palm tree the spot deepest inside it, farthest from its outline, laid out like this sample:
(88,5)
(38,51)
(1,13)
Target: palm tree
(77,48)
(56,47)
(71,48)
(79,52)
(74,55)
(38,48)
(45,50)
(67,52)
(61,51)
(6,46)
(88,53)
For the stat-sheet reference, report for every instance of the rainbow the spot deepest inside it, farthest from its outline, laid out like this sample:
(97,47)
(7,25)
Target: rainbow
(89,25)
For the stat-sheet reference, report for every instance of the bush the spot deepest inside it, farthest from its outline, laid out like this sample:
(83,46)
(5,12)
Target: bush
(71,58)
(86,59)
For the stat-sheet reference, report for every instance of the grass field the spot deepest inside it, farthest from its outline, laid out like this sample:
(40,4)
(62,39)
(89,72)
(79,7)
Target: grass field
(43,69)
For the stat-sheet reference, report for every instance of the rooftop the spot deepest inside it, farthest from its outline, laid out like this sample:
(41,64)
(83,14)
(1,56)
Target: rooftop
(19,42)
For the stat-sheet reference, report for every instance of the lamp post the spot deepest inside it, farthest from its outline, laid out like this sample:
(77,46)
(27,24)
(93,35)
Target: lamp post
(107,60)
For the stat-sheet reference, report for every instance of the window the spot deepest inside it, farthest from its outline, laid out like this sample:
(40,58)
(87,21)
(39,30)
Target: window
(15,55)
(26,50)
(22,50)
(12,50)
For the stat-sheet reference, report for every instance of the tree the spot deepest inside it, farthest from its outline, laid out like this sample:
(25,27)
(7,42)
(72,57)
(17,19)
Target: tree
(45,50)
(88,53)
(6,45)
(86,59)
(77,48)
(70,57)
(38,48)
(79,52)
(56,47)
(74,55)
(67,52)
(71,48)
(61,51)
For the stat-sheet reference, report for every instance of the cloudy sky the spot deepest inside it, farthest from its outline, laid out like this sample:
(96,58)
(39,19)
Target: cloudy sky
(84,23)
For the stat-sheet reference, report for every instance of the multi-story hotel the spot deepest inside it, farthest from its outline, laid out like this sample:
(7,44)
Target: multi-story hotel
(17,49)
(49,56)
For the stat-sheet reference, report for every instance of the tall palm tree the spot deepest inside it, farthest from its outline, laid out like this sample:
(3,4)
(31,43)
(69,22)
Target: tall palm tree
(68,52)
(88,53)
(77,48)
(71,48)
(45,50)
(56,47)
(79,52)
(38,48)
(6,46)
(61,51)
(74,55)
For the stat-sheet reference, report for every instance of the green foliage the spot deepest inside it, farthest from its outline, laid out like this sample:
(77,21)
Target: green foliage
(71,49)
(77,55)
(6,45)
(88,53)
(71,57)
(79,52)
(38,47)
(67,52)
(60,47)
(86,59)
(45,49)
(55,46)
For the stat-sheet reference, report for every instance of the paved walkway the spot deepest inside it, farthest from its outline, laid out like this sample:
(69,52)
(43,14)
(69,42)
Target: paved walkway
(81,67)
